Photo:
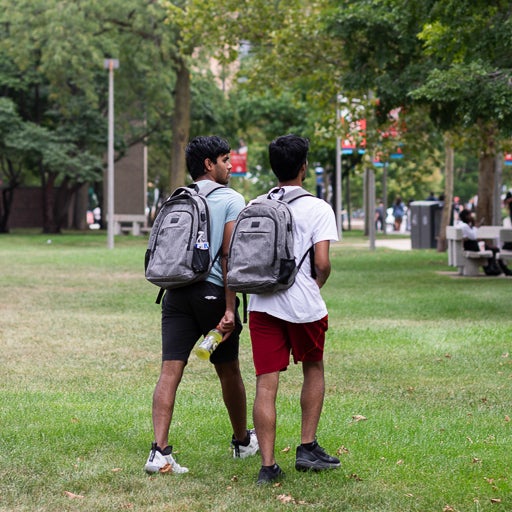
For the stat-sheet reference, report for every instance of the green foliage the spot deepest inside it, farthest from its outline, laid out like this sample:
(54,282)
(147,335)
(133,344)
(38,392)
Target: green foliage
(450,61)
(469,43)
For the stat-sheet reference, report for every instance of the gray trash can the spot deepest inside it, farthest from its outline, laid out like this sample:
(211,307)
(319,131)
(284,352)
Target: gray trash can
(425,223)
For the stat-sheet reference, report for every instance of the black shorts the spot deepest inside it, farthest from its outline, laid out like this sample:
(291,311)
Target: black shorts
(188,313)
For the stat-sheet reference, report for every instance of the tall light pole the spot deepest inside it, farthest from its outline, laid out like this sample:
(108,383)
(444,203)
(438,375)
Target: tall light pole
(339,176)
(110,64)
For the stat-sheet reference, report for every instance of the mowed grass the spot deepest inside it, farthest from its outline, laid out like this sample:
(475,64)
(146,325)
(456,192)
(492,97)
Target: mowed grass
(418,400)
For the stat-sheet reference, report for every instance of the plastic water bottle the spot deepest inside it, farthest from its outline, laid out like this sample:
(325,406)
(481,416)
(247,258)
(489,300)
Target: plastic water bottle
(209,344)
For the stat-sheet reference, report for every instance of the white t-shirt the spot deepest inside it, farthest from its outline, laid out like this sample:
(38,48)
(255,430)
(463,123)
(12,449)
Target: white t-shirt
(468,232)
(314,222)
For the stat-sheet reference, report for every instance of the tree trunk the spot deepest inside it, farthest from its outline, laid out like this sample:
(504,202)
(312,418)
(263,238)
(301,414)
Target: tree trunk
(48,190)
(486,174)
(180,126)
(64,196)
(80,207)
(13,182)
(448,192)
(7,197)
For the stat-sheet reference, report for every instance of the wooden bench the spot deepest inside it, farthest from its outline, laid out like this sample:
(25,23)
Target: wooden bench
(469,262)
(130,223)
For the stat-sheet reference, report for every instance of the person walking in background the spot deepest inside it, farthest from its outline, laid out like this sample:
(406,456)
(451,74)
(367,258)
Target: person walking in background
(456,208)
(508,204)
(293,321)
(398,213)
(379,217)
(191,311)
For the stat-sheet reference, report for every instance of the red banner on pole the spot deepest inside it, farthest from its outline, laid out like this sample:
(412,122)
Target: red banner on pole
(239,163)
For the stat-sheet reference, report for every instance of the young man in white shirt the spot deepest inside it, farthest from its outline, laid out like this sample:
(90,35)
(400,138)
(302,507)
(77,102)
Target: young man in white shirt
(294,321)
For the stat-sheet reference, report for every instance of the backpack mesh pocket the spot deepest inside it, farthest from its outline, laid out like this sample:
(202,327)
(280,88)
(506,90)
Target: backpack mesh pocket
(286,270)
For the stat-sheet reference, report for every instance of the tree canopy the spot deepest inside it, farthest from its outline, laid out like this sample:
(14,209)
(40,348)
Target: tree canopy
(283,65)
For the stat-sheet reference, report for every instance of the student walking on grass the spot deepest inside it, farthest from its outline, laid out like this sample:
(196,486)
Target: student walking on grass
(293,321)
(191,311)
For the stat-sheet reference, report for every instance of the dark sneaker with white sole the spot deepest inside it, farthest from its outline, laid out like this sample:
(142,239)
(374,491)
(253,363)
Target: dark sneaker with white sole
(269,474)
(314,459)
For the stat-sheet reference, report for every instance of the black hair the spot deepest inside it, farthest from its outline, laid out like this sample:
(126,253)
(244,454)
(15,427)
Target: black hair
(287,154)
(465,215)
(201,148)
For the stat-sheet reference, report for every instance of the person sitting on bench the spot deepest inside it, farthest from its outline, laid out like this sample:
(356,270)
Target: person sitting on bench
(494,265)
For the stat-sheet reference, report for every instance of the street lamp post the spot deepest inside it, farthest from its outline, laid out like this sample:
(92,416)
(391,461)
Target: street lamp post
(339,174)
(110,64)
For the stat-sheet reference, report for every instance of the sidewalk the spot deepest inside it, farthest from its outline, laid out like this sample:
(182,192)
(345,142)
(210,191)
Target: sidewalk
(401,244)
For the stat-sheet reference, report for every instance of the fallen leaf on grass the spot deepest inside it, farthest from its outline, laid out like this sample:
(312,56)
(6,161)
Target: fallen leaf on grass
(507,418)
(448,508)
(495,500)
(285,498)
(399,462)
(234,478)
(165,469)
(73,496)
(342,450)
(476,460)
(359,417)
(356,477)
(286,449)
(116,470)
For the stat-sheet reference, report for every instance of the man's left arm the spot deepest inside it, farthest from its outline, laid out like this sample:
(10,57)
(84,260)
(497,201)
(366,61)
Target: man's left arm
(322,262)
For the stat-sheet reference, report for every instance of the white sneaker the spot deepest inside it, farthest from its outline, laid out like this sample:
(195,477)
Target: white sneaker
(240,451)
(159,462)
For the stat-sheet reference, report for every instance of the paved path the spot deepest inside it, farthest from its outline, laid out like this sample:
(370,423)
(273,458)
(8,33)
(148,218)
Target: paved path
(401,244)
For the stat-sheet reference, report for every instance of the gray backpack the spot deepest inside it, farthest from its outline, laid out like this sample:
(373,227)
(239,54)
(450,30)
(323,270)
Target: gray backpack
(178,250)
(261,258)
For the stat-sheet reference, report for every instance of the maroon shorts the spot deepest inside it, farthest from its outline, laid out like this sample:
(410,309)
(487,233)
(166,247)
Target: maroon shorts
(274,339)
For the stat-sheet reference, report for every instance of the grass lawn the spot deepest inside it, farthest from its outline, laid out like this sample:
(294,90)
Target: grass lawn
(418,401)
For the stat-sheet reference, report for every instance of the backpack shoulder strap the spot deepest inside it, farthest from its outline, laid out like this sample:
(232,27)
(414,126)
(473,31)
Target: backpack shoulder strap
(288,197)
(193,188)
(295,194)
(207,189)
